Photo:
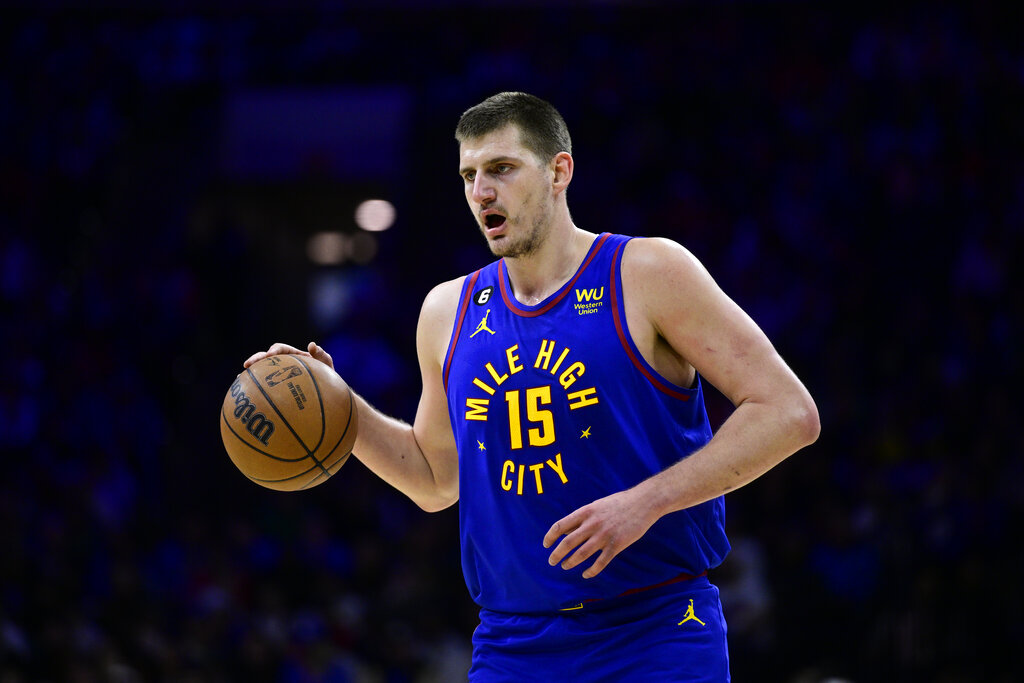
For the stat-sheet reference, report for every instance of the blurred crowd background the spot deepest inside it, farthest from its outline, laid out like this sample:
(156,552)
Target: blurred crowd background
(853,177)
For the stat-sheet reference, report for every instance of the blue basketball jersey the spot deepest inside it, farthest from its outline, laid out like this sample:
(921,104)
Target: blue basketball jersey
(553,407)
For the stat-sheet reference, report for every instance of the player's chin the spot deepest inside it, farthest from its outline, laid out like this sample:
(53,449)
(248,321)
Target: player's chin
(496,243)
(502,246)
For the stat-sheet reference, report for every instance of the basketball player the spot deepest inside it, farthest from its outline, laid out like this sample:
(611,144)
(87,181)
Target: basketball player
(562,406)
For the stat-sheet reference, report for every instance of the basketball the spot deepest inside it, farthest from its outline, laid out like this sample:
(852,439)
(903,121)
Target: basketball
(288,422)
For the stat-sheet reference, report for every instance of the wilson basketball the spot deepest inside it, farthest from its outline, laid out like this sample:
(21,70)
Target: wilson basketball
(288,422)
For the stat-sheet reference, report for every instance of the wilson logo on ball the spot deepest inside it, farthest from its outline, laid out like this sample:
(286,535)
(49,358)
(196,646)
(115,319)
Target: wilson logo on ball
(255,423)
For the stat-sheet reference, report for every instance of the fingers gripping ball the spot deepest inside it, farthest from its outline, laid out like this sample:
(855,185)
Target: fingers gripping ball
(288,422)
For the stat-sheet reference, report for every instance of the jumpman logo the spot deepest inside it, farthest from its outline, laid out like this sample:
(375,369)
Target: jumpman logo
(483,325)
(689,615)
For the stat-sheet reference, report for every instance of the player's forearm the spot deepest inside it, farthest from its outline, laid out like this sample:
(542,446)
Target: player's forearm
(755,438)
(388,447)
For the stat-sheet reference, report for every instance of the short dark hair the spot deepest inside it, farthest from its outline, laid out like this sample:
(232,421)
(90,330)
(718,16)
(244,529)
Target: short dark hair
(542,128)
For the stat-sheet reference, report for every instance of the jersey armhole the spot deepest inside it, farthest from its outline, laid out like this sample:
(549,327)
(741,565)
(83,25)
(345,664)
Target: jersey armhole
(622,329)
(467,287)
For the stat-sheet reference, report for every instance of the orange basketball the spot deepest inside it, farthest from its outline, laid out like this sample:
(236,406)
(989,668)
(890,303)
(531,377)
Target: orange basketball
(288,422)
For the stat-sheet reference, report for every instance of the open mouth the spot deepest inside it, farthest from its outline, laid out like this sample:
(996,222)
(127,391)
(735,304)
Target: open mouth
(494,220)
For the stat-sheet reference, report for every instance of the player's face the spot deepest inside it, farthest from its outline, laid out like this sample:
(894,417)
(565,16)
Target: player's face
(509,192)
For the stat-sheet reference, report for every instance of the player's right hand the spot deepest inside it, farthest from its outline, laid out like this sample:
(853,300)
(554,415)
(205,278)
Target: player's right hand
(314,351)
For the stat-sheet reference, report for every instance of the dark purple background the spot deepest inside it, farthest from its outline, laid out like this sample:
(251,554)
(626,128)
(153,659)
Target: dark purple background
(854,179)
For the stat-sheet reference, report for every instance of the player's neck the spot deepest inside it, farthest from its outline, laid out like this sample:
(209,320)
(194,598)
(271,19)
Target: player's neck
(542,273)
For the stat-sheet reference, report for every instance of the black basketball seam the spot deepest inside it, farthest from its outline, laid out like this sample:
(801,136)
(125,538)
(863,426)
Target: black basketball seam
(341,460)
(246,443)
(330,472)
(273,405)
(278,481)
(348,424)
(320,398)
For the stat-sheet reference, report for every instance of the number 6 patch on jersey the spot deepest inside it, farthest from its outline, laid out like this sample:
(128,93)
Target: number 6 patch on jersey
(483,296)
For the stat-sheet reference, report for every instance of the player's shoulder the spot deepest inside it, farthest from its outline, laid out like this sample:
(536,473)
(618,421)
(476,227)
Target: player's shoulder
(446,292)
(652,258)
(443,299)
(437,316)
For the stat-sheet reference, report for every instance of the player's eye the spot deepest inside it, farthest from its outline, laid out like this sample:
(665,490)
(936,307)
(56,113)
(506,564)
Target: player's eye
(503,168)
(468,176)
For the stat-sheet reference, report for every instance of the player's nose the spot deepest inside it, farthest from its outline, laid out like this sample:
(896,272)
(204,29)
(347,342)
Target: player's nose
(483,191)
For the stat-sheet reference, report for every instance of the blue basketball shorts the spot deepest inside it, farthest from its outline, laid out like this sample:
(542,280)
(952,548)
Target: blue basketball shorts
(669,634)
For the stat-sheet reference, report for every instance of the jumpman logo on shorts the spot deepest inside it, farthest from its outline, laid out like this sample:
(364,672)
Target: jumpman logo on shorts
(483,325)
(689,615)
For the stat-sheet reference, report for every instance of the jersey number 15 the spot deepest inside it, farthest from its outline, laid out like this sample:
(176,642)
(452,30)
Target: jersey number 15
(542,435)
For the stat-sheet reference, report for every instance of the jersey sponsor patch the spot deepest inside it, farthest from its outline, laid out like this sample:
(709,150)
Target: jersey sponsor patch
(588,300)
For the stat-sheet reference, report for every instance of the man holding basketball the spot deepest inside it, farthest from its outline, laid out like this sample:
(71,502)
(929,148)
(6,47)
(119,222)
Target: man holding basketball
(562,388)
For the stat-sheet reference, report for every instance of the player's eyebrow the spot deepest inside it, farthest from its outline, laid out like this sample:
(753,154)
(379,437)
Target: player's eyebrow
(490,162)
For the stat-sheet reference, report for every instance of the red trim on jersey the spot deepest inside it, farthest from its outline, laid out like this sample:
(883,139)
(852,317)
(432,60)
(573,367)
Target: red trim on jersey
(620,327)
(682,577)
(514,307)
(466,296)
(633,591)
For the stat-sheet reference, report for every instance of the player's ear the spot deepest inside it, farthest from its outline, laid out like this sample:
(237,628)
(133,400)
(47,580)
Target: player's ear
(562,166)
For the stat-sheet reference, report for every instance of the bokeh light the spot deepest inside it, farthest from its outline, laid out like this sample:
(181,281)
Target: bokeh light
(375,215)
(327,248)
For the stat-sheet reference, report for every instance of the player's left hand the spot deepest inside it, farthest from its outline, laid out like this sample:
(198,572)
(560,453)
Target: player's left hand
(608,525)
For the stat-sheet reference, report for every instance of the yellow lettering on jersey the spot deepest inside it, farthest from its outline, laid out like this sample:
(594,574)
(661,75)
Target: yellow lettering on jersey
(545,434)
(536,474)
(513,358)
(544,355)
(558,363)
(586,397)
(589,294)
(547,348)
(494,374)
(537,423)
(506,470)
(557,467)
(515,434)
(571,374)
(509,467)
(476,408)
(485,387)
